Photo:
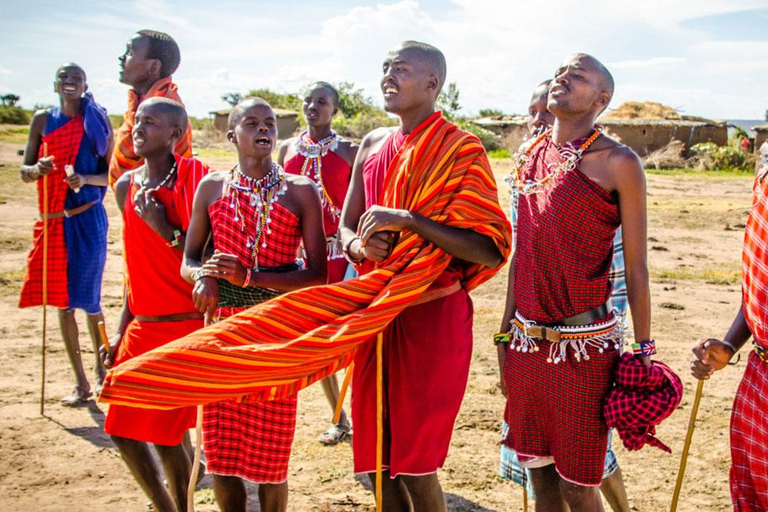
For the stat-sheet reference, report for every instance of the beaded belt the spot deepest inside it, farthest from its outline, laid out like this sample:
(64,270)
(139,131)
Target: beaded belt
(761,352)
(236,297)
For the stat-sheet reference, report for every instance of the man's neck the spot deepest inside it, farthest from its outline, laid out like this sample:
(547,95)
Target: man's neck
(409,121)
(158,167)
(255,167)
(318,133)
(70,108)
(571,128)
(143,87)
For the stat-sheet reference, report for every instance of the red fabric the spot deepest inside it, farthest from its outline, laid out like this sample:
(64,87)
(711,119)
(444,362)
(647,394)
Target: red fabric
(754,264)
(564,242)
(642,398)
(150,425)
(63,145)
(336,174)
(155,287)
(426,365)
(124,158)
(749,439)
(251,441)
(556,410)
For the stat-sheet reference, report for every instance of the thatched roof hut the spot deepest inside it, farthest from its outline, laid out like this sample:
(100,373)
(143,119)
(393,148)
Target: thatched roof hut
(287,121)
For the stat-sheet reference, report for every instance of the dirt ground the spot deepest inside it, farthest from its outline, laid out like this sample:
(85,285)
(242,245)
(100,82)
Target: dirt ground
(64,461)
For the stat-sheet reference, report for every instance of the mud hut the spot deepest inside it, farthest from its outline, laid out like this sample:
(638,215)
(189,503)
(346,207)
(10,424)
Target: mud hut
(287,121)
(761,135)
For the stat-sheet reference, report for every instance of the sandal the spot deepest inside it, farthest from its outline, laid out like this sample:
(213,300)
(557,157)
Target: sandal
(335,434)
(76,398)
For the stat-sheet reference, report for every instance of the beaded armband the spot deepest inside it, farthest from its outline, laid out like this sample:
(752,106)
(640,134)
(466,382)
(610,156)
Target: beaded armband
(248,275)
(501,337)
(644,348)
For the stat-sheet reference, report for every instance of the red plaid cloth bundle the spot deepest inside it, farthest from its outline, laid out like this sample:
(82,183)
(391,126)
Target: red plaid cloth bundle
(642,397)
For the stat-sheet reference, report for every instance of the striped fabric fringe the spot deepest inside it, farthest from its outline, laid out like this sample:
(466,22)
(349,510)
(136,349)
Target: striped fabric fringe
(277,348)
(601,336)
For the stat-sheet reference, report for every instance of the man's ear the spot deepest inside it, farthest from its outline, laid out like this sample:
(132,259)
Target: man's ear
(55,88)
(156,67)
(603,99)
(86,88)
(231,136)
(178,133)
(434,83)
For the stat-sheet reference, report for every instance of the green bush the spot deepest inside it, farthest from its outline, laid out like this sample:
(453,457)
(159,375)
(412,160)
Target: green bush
(709,156)
(489,140)
(13,115)
(363,122)
(500,154)
(490,112)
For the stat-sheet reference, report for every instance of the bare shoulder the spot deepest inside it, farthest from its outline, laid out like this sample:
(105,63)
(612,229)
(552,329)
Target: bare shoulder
(373,141)
(300,183)
(347,150)
(37,125)
(123,187)
(210,187)
(285,150)
(623,162)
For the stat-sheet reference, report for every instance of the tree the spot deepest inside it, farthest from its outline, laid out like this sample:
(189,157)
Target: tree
(233,98)
(448,101)
(9,100)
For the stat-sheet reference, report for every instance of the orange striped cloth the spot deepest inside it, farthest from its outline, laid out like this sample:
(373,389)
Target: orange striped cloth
(276,348)
(754,279)
(123,158)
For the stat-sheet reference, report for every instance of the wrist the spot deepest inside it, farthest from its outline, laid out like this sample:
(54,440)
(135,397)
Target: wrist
(354,256)
(730,346)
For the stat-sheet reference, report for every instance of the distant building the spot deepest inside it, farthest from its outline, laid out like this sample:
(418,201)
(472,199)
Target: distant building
(761,135)
(287,121)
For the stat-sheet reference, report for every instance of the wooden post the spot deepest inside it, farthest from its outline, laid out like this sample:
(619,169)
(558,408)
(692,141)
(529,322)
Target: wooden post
(686,446)
(342,393)
(45,281)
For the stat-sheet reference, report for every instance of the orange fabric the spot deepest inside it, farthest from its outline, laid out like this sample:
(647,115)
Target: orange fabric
(276,348)
(63,145)
(155,287)
(755,264)
(124,158)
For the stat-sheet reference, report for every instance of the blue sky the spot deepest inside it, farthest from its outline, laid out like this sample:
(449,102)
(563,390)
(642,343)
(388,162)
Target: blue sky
(704,57)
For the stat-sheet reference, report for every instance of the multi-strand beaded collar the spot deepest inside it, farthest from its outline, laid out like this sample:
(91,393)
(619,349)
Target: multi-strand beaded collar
(261,193)
(313,153)
(571,157)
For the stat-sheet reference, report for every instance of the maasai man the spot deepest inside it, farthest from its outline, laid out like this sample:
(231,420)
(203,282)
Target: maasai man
(749,424)
(327,159)
(149,60)
(612,486)
(576,188)
(257,217)
(421,404)
(77,134)
(156,202)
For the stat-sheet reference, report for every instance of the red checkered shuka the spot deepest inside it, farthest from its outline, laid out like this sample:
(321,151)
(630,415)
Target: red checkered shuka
(564,241)
(62,144)
(755,264)
(749,439)
(251,441)
(642,398)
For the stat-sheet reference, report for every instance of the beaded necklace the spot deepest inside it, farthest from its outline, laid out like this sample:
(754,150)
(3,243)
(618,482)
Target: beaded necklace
(145,179)
(262,193)
(571,159)
(313,153)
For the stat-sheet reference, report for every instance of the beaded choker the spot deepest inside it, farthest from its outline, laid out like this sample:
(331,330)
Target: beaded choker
(313,153)
(571,159)
(262,193)
(145,180)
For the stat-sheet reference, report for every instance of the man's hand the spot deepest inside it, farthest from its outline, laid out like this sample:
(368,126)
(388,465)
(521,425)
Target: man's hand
(108,358)
(76,181)
(151,211)
(709,355)
(206,296)
(44,165)
(378,219)
(226,266)
(377,249)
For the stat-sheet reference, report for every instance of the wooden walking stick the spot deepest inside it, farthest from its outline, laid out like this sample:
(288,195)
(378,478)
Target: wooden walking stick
(103,336)
(525,499)
(196,462)
(342,393)
(379,417)
(45,279)
(686,446)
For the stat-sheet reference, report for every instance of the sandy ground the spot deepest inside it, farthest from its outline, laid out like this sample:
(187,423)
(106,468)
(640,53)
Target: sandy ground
(64,461)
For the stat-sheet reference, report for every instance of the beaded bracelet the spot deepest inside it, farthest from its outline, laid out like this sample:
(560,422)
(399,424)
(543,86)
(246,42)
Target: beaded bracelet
(176,241)
(345,250)
(501,337)
(248,275)
(199,274)
(644,348)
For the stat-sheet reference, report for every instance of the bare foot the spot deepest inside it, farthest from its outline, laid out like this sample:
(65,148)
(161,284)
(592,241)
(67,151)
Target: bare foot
(77,397)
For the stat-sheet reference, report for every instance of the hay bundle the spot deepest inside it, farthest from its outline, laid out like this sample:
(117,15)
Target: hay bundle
(643,110)
(668,157)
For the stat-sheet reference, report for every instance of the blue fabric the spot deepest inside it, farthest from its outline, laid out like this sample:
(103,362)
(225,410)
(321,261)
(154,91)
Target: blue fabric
(84,234)
(96,123)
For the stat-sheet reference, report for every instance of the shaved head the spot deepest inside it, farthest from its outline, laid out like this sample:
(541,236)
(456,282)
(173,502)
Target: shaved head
(429,55)
(70,65)
(173,110)
(325,85)
(243,105)
(541,90)
(606,77)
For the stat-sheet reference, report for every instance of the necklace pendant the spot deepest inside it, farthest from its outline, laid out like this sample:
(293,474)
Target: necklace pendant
(249,245)
(253,200)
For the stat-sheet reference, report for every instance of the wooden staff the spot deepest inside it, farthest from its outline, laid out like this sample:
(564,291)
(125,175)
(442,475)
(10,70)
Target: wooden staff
(525,499)
(379,417)
(342,393)
(45,279)
(103,336)
(686,446)
(196,462)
